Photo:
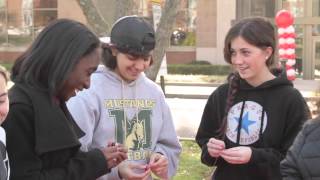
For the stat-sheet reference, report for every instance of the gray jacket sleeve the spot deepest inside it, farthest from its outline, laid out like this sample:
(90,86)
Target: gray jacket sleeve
(84,111)
(168,143)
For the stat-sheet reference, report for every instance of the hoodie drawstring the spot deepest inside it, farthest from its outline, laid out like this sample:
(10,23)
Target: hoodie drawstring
(124,112)
(262,121)
(240,122)
(135,100)
(261,126)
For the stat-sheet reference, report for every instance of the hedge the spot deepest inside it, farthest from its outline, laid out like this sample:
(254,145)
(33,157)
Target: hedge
(201,69)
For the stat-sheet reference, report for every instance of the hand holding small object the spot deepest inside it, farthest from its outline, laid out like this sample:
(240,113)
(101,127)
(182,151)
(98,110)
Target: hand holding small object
(114,153)
(215,147)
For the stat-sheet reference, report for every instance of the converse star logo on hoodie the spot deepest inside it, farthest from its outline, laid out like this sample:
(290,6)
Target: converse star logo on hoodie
(250,122)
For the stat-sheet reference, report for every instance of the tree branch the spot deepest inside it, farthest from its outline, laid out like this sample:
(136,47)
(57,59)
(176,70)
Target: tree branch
(95,20)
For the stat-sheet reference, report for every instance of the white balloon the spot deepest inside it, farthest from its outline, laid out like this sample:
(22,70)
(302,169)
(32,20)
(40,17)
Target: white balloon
(282,51)
(282,40)
(290,41)
(291,62)
(290,72)
(290,51)
(281,31)
(289,29)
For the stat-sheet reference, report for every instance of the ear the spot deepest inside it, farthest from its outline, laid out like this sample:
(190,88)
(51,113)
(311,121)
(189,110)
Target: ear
(114,51)
(268,52)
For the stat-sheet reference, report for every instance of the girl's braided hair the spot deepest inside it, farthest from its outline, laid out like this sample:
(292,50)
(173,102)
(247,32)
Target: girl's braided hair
(234,83)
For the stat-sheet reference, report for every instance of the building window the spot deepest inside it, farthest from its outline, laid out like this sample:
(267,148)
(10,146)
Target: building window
(22,20)
(294,6)
(299,48)
(247,8)
(316,8)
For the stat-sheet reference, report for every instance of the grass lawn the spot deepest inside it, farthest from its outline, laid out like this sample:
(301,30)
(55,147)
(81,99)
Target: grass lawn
(190,166)
(8,66)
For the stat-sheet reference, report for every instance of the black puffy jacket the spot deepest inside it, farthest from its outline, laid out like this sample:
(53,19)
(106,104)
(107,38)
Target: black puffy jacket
(303,158)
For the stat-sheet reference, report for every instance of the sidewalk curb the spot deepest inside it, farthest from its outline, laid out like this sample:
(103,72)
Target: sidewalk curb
(193,84)
(187,96)
(195,96)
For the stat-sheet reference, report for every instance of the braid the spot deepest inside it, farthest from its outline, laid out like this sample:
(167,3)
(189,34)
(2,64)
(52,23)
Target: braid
(234,81)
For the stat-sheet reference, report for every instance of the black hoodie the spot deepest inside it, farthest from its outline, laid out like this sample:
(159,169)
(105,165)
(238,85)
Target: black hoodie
(284,109)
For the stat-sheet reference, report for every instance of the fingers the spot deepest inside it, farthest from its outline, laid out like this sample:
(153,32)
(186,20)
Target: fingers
(159,165)
(122,149)
(215,147)
(133,171)
(158,160)
(219,144)
(110,143)
(114,154)
(237,155)
(232,159)
(119,147)
(118,155)
(137,166)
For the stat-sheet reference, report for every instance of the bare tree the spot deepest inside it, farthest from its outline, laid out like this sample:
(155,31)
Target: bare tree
(163,35)
(101,23)
(124,8)
(95,20)
(101,14)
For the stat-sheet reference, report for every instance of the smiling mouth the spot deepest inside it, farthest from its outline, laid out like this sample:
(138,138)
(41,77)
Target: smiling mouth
(243,68)
(134,73)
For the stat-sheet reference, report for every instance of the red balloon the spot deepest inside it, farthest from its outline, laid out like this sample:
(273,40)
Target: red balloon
(284,19)
(291,78)
(287,46)
(287,35)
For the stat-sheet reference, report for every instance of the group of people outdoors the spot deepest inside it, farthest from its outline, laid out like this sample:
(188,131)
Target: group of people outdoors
(82,109)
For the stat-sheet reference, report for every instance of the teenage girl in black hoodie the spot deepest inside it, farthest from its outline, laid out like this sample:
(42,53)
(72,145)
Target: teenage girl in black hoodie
(249,123)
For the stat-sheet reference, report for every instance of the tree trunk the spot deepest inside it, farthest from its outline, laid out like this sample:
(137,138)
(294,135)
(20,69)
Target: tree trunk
(124,8)
(96,22)
(101,14)
(163,35)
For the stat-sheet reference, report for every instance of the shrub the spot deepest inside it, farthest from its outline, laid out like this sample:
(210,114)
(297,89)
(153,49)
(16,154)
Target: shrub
(203,69)
(202,62)
(190,39)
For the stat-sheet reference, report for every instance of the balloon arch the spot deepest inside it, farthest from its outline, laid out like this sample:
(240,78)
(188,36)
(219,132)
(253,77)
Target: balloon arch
(286,41)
